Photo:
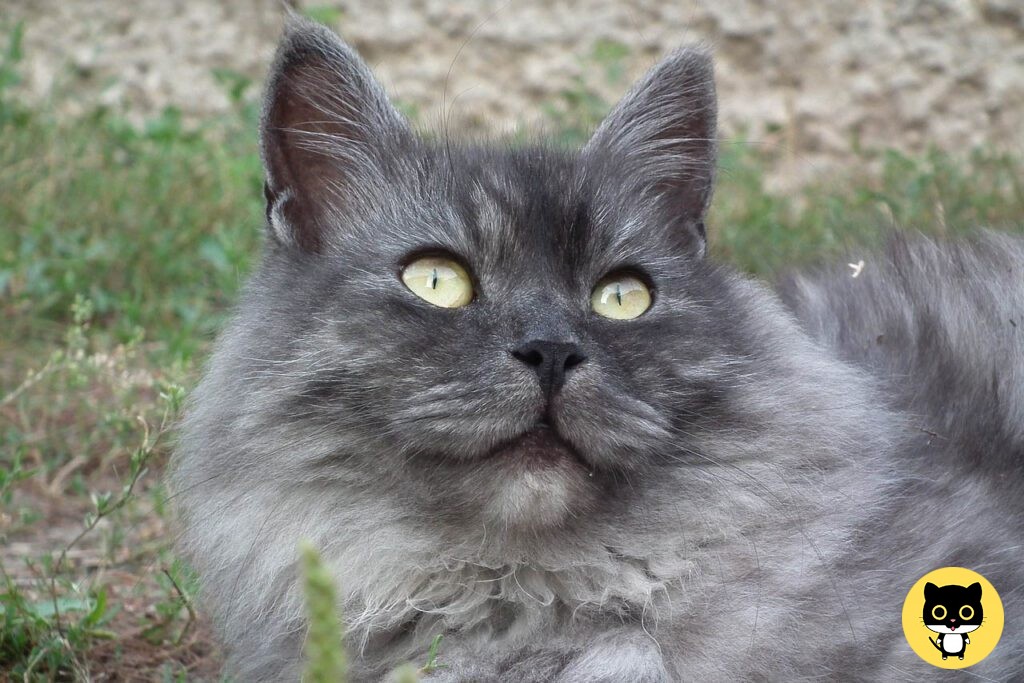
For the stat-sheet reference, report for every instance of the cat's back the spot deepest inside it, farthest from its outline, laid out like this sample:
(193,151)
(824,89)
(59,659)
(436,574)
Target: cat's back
(941,323)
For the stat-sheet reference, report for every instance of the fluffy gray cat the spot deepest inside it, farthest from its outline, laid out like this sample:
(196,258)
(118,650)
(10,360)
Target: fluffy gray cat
(507,395)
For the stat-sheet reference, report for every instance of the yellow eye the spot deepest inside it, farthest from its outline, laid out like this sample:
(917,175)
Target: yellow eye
(620,297)
(438,280)
(936,612)
(969,610)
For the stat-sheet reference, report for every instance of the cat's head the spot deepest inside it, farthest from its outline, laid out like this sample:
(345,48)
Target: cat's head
(953,609)
(514,333)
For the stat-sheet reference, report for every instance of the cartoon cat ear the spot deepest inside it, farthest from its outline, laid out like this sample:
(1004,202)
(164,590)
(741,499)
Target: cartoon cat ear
(326,122)
(929,591)
(662,136)
(974,590)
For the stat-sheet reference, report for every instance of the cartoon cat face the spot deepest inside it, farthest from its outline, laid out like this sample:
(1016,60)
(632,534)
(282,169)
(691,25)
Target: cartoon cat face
(953,609)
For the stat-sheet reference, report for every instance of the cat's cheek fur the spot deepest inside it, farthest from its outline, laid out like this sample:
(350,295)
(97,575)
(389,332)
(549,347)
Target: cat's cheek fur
(613,428)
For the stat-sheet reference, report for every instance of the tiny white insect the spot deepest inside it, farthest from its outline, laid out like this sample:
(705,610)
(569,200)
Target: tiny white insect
(856,267)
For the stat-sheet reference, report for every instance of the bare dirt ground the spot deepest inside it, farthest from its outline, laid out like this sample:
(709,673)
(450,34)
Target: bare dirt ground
(141,644)
(819,81)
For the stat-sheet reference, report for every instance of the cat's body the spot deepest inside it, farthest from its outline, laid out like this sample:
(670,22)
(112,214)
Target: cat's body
(952,644)
(755,484)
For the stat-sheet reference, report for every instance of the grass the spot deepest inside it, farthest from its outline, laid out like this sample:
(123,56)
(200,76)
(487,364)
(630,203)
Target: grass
(120,251)
(936,193)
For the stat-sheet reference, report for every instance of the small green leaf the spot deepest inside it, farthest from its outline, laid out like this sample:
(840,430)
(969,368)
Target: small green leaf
(101,501)
(432,664)
(97,611)
(45,609)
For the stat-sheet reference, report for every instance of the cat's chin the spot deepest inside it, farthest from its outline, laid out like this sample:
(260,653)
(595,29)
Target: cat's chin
(540,480)
(540,448)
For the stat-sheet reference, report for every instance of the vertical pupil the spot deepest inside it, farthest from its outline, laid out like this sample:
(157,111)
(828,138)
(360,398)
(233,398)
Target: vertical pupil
(618,293)
(433,279)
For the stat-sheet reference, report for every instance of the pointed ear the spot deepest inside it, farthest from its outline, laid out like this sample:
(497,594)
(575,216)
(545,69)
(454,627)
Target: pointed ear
(662,136)
(325,128)
(974,590)
(929,591)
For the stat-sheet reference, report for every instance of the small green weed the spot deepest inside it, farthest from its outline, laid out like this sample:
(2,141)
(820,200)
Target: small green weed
(325,657)
(55,609)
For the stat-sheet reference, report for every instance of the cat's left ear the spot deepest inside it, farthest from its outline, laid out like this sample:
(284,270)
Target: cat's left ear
(974,590)
(661,136)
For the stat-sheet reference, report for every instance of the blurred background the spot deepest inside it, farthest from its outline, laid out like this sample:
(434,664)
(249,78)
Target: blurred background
(131,210)
(824,80)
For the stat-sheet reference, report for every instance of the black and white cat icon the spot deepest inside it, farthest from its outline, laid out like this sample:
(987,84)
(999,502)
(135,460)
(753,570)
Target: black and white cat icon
(952,612)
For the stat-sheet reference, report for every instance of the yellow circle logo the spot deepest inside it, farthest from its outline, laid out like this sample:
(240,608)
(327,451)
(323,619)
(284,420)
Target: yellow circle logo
(952,617)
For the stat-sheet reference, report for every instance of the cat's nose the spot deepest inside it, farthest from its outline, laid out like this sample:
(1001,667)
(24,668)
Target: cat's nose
(551,360)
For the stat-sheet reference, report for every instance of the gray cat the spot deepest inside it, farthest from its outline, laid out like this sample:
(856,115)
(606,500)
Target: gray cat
(505,393)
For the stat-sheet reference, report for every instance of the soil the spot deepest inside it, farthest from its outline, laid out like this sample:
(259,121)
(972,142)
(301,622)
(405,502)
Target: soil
(817,82)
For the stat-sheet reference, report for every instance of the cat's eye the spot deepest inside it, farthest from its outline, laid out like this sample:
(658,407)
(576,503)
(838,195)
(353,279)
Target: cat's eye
(438,280)
(969,610)
(939,612)
(620,297)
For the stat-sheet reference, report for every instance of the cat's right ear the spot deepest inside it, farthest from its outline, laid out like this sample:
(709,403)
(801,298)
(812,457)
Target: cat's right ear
(326,126)
(929,591)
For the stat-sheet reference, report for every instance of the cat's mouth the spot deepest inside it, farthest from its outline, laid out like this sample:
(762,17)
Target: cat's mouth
(538,448)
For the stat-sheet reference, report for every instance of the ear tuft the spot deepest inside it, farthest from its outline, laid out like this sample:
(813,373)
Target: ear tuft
(325,127)
(662,135)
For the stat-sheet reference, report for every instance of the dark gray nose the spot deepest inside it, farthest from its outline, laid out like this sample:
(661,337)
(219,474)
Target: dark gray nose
(551,360)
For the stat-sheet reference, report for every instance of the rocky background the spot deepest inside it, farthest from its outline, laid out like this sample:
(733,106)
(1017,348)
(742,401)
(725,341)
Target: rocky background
(820,82)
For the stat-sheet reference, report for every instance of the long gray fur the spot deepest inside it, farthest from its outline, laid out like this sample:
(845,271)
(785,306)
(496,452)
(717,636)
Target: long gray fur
(768,475)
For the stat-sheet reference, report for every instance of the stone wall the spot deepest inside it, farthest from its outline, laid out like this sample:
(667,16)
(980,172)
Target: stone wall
(815,80)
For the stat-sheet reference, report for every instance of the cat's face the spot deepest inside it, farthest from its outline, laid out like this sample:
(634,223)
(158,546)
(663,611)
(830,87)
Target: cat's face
(953,609)
(524,403)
